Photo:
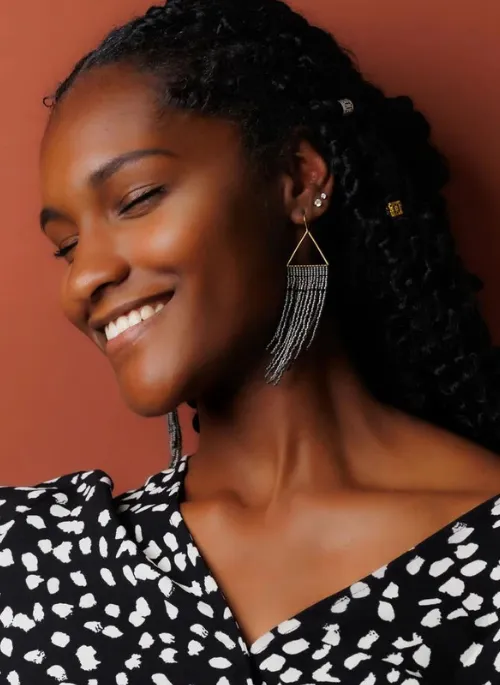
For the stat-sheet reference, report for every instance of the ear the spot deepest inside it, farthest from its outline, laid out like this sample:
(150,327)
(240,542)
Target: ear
(305,183)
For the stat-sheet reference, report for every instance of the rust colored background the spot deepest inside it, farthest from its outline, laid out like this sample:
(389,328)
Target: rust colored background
(60,410)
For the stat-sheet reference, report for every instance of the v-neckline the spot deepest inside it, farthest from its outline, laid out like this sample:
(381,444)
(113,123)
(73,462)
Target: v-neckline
(338,601)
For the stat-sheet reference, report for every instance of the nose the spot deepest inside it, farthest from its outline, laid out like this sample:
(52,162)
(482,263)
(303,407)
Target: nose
(97,267)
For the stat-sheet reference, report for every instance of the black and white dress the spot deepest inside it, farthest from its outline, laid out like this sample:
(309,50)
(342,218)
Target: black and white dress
(103,591)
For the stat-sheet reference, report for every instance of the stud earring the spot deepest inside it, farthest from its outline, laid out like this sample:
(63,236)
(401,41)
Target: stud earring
(318,202)
(304,303)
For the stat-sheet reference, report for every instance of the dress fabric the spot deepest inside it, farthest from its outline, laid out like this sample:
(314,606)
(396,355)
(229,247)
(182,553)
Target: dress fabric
(102,591)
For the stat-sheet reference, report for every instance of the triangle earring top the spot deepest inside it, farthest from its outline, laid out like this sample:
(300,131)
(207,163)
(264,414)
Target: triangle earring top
(308,234)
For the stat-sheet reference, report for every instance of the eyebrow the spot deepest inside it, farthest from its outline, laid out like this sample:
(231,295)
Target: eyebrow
(110,168)
(48,214)
(104,173)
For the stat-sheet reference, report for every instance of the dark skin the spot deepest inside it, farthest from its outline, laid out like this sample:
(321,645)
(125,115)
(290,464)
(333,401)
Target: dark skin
(296,491)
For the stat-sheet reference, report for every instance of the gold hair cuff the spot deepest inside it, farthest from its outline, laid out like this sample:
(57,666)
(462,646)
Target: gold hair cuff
(395,209)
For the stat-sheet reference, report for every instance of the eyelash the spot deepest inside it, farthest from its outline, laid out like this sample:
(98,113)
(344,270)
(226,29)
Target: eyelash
(157,190)
(64,251)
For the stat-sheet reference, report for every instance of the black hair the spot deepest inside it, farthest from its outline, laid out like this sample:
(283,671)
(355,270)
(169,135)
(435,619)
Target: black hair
(405,305)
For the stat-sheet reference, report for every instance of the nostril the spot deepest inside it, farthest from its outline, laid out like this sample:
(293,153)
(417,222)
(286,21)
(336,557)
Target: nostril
(98,292)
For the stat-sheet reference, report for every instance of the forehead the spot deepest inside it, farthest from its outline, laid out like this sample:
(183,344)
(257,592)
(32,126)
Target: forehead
(113,110)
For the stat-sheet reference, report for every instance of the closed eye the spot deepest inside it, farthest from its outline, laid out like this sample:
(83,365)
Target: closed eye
(133,208)
(143,201)
(65,250)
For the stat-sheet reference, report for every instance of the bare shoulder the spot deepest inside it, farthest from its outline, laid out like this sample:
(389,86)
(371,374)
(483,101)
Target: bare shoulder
(465,473)
(454,472)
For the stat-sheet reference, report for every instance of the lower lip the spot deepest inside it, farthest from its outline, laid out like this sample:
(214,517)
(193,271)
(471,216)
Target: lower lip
(131,335)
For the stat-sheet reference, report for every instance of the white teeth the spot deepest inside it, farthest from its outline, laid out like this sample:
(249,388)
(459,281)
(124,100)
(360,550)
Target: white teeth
(147,312)
(112,331)
(133,318)
(122,324)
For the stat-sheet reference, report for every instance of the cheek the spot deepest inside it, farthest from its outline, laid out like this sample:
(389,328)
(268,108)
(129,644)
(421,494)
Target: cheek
(223,308)
(226,269)
(232,294)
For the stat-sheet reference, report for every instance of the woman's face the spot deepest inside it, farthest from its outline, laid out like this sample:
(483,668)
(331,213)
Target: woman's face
(161,223)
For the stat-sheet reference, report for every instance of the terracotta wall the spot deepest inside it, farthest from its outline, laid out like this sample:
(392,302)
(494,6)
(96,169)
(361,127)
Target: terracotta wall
(59,409)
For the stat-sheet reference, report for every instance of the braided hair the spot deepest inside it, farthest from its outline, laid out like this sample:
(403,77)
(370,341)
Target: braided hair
(405,306)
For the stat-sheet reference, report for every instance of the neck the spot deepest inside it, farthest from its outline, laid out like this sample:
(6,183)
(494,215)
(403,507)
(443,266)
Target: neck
(318,430)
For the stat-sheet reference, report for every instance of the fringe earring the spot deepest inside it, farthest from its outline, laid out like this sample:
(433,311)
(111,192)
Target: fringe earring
(175,435)
(304,304)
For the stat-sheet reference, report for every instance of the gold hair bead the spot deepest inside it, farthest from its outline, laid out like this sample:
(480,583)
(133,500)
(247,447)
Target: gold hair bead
(395,209)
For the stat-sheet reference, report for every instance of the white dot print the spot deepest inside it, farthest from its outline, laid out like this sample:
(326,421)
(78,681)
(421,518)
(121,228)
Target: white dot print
(97,590)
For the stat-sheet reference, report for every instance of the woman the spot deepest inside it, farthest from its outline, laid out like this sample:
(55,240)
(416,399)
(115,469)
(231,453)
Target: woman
(252,227)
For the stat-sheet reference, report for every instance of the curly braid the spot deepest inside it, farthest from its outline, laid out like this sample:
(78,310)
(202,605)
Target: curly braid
(405,305)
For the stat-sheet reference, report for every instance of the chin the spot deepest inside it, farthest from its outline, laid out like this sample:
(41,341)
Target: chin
(148,407)
(150,396)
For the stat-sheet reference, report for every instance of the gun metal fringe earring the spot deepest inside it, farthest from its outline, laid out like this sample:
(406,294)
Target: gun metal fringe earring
(175,435)
(304,304)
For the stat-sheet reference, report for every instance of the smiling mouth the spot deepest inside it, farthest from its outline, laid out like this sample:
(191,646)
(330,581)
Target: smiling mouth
(131,320)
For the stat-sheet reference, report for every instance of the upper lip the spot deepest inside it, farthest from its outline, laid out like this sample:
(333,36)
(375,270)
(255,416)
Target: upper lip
(99,322)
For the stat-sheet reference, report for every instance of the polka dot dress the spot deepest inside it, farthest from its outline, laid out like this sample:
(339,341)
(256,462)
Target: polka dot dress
(103,591)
